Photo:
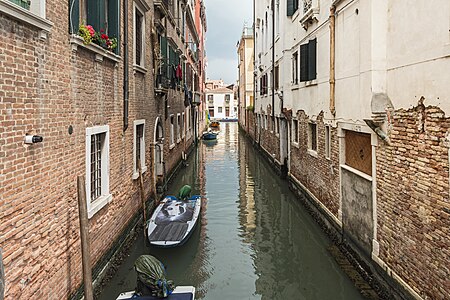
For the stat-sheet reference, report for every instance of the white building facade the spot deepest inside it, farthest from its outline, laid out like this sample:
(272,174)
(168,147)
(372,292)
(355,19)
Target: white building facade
(352,102)
(221,104)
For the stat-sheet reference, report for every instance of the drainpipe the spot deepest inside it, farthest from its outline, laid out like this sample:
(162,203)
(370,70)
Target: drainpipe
(273,65)
(332,59)
(125,66)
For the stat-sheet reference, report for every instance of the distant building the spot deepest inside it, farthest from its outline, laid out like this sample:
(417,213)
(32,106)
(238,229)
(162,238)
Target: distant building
(245,82)
(221,102)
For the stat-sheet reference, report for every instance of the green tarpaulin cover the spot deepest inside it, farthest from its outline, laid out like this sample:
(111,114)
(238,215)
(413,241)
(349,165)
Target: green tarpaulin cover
(151,277)
(185,192)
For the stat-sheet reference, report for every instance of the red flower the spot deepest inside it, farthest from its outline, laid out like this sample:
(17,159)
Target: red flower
(104,36)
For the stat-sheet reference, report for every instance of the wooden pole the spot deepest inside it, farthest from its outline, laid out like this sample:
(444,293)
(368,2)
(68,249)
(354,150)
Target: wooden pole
(141,185)
(2,277)
(84,232)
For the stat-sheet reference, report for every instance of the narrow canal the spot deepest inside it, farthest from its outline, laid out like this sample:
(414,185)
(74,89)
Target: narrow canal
(255,240)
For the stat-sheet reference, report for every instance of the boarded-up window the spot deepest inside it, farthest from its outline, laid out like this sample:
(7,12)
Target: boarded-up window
(358,151)
(312,136)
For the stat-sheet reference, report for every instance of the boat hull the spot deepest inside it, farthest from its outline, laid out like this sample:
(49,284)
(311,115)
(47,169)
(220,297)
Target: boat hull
(179,293)
(173,221)
(208,136)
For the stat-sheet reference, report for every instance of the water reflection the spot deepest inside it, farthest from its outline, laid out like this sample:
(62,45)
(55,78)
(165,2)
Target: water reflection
(254,241)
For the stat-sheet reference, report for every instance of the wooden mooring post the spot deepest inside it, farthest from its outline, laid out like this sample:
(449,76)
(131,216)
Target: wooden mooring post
(141,186)
(2,277)
(85,243)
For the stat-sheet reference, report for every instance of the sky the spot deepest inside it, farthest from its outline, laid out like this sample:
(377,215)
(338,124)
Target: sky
(226,20)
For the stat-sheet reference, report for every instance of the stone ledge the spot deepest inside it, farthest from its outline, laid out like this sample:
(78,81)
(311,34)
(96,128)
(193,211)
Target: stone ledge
(100,53)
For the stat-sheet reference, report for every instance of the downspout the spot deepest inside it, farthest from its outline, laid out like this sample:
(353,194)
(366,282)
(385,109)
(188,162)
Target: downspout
(273,65)
(332,60)
(254,70)
(125,66)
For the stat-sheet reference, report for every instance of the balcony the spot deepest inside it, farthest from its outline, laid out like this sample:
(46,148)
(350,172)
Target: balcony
(162,6)
(310,13)
(162,84)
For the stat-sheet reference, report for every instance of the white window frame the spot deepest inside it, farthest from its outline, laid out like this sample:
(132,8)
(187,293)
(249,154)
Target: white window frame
(312,151)
(178,128)
(142,8)
(328,141)
(183,126)
(35,16)
(295,135)
(172,133)
(219,110)
(106,197)
(142,154)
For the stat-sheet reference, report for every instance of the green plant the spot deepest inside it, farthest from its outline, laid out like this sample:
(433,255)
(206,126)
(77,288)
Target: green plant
(250,108)
(100,38)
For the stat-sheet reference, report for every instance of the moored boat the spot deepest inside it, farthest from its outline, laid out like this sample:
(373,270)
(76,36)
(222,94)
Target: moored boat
(214,124)
(210,135)
(179,293)
(173,221)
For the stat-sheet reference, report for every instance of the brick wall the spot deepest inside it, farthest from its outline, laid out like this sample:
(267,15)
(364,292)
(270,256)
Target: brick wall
(318,174)
(45,87)
(412,200)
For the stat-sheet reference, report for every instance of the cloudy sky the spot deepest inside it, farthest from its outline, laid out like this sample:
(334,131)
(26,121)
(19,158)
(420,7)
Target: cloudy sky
(225,22)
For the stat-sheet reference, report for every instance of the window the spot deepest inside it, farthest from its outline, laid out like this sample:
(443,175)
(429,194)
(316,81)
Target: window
(277,125)
(219,110)
(139,35)
(97,168)
(295,131)
(292,6)
(178,128)
(327,141)
(277,78)
(211,112)
(227,98)
(227,111)
(26,11)
(139,147)
(102,15)
(182,125)
(172,134)
(308,61)
(358,151)
(295,68)
(312,136)
(210,98)
(307,4)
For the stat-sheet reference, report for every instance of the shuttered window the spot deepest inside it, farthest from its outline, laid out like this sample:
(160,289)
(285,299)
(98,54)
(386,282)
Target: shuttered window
(308,61)
(100,14)
(138,38)
(292,6)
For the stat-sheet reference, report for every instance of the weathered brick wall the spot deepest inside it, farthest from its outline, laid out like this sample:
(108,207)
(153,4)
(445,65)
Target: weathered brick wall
(413,200)
(251,124)
(319,175)
(45,87)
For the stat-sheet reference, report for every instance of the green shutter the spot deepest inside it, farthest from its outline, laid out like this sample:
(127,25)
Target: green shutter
(312,45)
(93,14)
(164,55)
(304,62)
(290,8)
(114,21)
(74,16)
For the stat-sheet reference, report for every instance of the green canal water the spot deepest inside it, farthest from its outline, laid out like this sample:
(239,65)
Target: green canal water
(255,240)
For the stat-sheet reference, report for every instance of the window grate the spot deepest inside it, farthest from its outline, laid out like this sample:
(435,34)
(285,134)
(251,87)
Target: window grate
(139,140)
(307,4)
(138,38)
(97,141)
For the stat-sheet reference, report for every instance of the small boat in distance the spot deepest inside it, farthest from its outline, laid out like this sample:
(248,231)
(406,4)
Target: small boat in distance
(214,124)
(174,219)
(210,135)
